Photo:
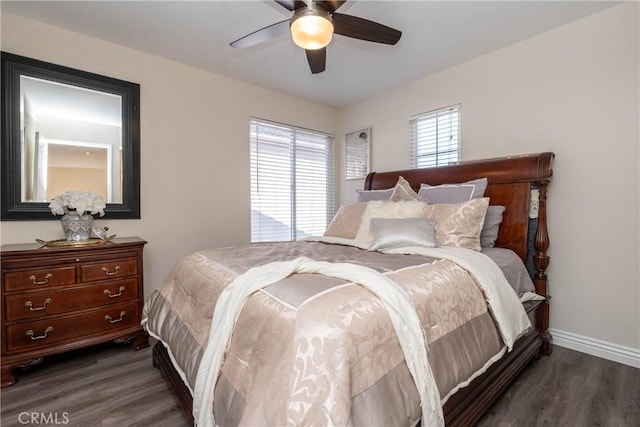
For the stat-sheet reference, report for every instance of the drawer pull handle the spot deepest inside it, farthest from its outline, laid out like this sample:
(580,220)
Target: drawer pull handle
(106,271)
(108,293)
(34,279)
(110,319)
(29,333)
(29,304)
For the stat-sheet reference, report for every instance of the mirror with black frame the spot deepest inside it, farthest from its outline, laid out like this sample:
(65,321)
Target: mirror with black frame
(65,129)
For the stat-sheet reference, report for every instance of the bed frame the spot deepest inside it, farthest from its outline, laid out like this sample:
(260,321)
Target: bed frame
(510,181)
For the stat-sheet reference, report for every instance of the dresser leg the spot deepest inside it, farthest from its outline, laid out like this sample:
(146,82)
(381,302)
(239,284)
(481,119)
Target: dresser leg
(8,377)
(140,340)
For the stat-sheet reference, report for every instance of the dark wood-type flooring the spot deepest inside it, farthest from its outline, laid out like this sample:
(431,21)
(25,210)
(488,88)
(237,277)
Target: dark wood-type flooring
(111,385)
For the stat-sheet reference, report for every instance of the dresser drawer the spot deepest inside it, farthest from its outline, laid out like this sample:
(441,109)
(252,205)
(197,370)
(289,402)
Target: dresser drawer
(39,278)
(45,332)
(35,305)
(109,270)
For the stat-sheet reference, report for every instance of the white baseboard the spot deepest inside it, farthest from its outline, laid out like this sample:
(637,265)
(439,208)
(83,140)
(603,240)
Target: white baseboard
(606,350)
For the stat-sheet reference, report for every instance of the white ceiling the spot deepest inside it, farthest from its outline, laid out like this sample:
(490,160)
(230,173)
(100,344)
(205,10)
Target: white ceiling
(436,35)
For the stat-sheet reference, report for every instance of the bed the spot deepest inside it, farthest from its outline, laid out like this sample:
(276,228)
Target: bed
(180,317)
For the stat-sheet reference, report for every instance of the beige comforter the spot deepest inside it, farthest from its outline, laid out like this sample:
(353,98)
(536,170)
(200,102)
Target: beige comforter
(315,350)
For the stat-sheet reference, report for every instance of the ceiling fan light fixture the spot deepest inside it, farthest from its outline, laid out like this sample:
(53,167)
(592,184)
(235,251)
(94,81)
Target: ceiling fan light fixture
(312,28)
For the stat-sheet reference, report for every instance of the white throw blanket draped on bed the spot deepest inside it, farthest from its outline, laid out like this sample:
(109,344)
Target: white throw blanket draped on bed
(400,308)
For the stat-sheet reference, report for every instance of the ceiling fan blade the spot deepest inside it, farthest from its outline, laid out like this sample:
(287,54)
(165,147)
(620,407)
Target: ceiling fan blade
(363,29)
(291,4)
(330,5)
(317,59)
(262,35)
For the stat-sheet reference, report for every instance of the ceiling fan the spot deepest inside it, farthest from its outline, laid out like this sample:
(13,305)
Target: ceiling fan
(312,27)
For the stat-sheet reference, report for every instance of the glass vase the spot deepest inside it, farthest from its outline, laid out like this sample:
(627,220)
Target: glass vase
(77,227)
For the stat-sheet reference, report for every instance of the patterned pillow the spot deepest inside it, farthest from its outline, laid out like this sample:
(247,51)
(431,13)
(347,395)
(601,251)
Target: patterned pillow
(403,192)
(391,233)
(454,193)
(459,225)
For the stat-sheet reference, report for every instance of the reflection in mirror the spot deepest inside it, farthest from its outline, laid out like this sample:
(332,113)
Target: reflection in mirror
(71,140)
(67,130)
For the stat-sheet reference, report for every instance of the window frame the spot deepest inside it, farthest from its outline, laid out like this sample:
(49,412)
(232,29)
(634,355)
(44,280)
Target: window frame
(434,156)
(301,140)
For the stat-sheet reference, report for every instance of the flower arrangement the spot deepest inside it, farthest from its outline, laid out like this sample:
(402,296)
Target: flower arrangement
(79,201)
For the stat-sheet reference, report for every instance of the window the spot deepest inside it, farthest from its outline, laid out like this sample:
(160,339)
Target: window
(435,137)
(292,185)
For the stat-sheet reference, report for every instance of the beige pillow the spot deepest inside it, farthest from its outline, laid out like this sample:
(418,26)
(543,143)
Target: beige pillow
(346,221)
(387,209)
(403,192)
(459,225)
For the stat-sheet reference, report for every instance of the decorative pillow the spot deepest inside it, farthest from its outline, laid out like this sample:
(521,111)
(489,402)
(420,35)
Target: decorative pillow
(491,227)
(387,209)
(346,222)
(369,195)
(403,192)
(459,225)
(454,193)
(391,233)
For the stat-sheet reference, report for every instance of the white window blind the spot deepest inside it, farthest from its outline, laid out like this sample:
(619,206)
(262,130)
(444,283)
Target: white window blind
(292,185)
(435,137)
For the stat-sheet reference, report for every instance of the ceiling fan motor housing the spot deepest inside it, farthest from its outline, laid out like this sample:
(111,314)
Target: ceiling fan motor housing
(311,28)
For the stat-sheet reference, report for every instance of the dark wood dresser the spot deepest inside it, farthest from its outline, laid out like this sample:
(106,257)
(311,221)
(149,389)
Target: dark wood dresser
(56,299)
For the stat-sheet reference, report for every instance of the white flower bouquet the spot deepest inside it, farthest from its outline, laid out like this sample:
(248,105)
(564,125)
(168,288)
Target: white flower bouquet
(79,201)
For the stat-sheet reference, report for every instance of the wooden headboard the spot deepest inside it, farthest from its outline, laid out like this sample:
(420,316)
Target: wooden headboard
(510,181)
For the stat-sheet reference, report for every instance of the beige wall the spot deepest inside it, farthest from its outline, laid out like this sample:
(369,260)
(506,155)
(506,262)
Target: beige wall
(194,143)
(574,91)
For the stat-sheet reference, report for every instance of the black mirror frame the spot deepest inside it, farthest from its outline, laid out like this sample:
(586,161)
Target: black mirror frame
(13,66)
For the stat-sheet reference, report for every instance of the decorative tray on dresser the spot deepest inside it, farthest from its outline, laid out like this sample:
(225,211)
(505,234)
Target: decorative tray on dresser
(56,299)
